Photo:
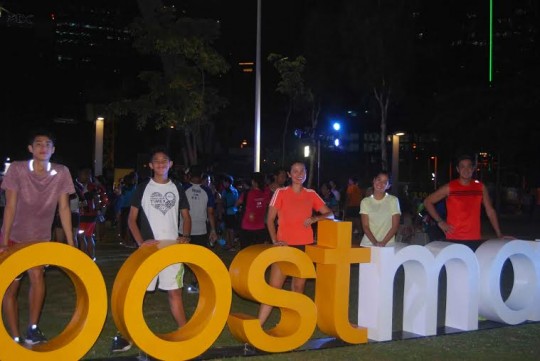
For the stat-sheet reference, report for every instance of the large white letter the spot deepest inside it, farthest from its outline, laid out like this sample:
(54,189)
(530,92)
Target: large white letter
(422,267)
(524,301)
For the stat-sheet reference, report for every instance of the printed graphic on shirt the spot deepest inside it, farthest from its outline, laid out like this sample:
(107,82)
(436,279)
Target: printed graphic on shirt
(163,202)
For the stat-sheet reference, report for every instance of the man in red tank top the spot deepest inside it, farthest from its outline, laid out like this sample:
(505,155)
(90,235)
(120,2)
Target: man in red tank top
(464,199)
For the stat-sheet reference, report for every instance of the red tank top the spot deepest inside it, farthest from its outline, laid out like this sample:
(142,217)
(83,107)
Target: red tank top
(463,208)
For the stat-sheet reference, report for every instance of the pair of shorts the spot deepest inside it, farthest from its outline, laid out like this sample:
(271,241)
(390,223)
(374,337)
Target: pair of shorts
(351,212)
(88,228)
(170,278)
(250,237)
(472,244)
(199,239)
(230,221)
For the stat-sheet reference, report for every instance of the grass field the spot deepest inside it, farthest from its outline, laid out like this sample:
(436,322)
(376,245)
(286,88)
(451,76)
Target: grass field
(505,343)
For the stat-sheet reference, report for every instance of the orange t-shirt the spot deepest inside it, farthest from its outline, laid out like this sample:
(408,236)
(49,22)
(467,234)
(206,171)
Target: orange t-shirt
(293,209)
(354,195)
(463,206)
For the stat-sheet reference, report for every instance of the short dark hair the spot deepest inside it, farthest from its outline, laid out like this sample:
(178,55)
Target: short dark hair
(258,177)
(159,149)
(382,172)
(298,162)
(196,170)
(228,178)
(465,157)
(38,132)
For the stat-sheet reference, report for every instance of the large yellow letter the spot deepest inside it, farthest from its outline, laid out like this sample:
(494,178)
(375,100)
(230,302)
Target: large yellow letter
(207,321)
(298,312)
(334,256)
(90,310)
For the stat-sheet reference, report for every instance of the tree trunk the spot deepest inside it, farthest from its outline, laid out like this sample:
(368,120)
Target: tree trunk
(315,110)
(285,129)
(383,100)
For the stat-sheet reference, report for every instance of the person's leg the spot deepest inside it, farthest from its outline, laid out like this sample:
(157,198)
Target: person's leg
(59,235)
(298,285)
(10,307)
(36,294)
(277,278)
(177,306)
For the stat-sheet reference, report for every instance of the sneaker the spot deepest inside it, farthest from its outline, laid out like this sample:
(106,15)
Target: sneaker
(18,340)
(120,344)
(34,336)
(193,288)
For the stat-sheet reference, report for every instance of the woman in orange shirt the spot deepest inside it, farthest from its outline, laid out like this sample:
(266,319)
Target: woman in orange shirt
(294,206)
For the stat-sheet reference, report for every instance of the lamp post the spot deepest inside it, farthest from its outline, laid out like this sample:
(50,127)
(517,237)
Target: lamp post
(395,160)
(257,135)
(98,151)
(435,159)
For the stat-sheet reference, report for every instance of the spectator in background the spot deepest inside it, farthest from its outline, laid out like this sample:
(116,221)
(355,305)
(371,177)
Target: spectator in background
(279,179)
(93,206)
(124,204)
(255,204)
(329,198)
(353,198)
(229,196)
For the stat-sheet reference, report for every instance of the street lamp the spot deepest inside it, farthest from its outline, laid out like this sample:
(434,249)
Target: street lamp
(395,160)
(98,150)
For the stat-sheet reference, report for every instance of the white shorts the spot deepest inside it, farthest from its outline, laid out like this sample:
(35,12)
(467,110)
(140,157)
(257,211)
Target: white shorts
(170,278)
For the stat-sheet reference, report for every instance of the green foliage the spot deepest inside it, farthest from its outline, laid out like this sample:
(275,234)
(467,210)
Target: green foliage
(179,94)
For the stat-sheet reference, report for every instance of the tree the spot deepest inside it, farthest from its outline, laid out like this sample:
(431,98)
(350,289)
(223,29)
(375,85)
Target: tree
(179,94)
(291,84)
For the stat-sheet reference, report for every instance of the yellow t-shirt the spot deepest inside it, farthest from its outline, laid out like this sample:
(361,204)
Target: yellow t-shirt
(380,214)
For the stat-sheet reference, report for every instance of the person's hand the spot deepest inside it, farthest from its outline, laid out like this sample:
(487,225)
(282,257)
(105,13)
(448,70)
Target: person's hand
(445,227)
(212,237)
(149,242)
(308,222)
(279,243)
(183,239)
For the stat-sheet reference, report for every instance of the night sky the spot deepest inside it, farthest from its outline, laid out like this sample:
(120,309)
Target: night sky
(438,53)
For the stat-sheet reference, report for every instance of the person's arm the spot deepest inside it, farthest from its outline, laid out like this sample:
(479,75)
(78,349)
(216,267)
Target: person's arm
(134,227)
(65,217)
(271,225)
(430,202)
(212,220)
(240,199)
(367,231)
(491,213)
(9,216)
(392,231)
(324,213)
(186,227)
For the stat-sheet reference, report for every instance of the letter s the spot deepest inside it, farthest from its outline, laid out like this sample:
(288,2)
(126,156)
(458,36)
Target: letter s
(298,312)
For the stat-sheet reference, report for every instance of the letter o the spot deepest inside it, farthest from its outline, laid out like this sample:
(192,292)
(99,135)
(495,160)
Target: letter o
(206,323)
(522,302)
(87,321)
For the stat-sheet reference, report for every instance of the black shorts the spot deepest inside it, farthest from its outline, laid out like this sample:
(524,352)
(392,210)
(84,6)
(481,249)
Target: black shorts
(472,244)
(230,221)
(251,237)
(199,239)
(351,212)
